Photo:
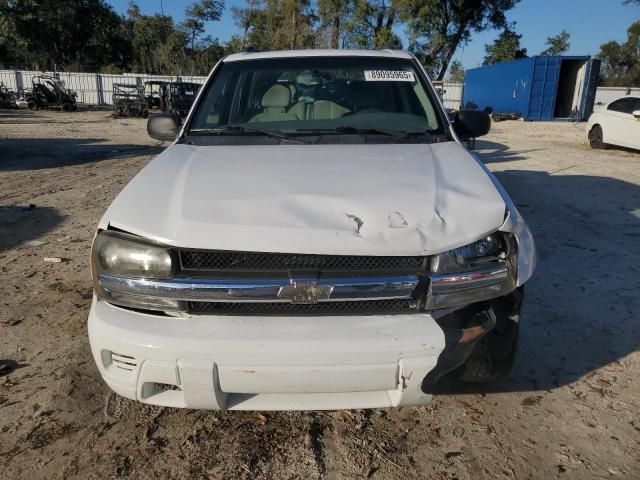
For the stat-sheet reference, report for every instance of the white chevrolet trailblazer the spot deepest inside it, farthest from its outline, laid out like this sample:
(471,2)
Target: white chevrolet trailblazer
(317,236)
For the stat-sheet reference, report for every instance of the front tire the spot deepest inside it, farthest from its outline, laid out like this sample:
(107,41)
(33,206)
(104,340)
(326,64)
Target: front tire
(494,355)
(596,138)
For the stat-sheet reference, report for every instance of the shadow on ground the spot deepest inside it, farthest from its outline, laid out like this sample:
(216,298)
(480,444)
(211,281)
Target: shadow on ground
(492,152)
(38,153)
(581,307)
(22,224)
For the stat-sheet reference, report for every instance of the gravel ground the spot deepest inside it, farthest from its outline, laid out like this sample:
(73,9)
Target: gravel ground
(570,408)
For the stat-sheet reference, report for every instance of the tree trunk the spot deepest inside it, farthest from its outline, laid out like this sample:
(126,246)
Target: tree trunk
(247,24)
(335,30)
(391,18)
(295,31)
(452,50)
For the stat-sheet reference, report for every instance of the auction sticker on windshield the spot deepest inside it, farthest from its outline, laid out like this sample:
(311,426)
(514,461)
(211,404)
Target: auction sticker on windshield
(388,76)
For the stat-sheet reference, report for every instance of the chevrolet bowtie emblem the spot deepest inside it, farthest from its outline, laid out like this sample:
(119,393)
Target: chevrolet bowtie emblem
(305,291)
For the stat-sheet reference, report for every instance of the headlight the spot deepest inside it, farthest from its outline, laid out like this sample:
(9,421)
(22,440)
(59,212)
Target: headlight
(117,257)
(479,271)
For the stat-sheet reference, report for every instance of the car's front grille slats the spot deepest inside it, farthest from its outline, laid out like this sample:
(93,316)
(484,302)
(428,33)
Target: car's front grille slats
(356,307)
(303,271)
(259,261)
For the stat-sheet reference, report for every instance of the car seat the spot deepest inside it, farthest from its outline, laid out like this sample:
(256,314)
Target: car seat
(275,103)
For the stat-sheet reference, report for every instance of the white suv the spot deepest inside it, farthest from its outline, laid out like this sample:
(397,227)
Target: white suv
(316,237)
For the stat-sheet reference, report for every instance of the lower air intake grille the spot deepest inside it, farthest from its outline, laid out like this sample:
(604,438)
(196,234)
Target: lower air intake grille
(123,362)
(196,260)
(364,307)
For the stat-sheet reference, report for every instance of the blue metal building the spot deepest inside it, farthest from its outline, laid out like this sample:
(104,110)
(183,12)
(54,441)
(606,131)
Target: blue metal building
(535,88)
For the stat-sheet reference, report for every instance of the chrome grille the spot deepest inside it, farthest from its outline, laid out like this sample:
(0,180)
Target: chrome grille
(258,261)
(356,307)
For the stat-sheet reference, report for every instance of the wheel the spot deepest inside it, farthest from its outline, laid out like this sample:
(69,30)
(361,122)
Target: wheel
(493,357)
(32,105)
(596,138)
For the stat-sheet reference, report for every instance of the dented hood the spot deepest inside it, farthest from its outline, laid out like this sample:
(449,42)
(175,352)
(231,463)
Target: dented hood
(327,199)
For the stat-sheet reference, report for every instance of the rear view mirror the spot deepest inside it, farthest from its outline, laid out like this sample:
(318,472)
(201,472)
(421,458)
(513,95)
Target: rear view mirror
(636,114)
(471,124)
(163,127)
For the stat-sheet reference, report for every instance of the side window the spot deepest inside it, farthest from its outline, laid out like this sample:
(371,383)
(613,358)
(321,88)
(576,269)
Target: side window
(623,105)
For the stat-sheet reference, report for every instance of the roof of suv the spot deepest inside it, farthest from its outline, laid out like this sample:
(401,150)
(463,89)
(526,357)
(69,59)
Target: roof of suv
(317,53)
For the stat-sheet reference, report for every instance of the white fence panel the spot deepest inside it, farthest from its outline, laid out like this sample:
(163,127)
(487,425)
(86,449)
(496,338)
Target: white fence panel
(84,84)
(452,95)
(92,88)
(194,79)
(606,95)
(9,78)
(106,85)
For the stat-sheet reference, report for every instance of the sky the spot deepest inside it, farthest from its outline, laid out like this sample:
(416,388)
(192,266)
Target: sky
(590,23)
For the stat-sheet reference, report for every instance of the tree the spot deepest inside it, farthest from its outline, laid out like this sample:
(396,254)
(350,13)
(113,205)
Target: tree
(197,14)
(438,27)
(278,24)
(621,62)
(155,43)
(62,33)
(559,44)
(370,25)
(244,19)
(456,72)
(505,48)
(332,14)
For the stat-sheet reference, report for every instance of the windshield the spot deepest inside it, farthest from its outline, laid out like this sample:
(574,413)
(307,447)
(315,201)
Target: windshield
(317,96)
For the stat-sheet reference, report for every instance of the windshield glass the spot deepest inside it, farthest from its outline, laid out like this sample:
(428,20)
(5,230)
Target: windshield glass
(317,96)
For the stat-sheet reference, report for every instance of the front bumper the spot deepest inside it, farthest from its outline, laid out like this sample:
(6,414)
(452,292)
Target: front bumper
(265,363)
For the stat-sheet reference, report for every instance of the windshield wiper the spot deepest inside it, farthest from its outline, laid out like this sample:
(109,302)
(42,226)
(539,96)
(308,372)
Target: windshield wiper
(364,131)
(361,131)
(235,129)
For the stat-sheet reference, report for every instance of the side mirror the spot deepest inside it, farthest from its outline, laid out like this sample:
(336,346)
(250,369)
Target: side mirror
(636,113)
(162,127)
(471,124)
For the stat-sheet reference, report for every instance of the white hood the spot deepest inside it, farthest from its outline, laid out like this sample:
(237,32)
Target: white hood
(325,199)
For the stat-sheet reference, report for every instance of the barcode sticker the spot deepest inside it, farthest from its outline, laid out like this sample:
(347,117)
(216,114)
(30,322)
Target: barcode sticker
(388,76)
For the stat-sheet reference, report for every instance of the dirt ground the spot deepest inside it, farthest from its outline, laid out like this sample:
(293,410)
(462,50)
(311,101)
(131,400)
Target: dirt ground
(570,408)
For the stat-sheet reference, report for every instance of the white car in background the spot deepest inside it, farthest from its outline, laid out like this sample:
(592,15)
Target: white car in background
(616,124)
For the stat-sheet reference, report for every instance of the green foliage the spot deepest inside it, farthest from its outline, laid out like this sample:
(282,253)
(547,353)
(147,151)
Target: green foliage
(333,14)
(89,35)
(621,62)
(371,25)
(62,32)
(456,72)
(557,45)
(438,27)
(505,48)
(197,14)
(278,24)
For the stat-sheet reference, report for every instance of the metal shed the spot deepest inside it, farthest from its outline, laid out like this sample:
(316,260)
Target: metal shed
(535,88)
